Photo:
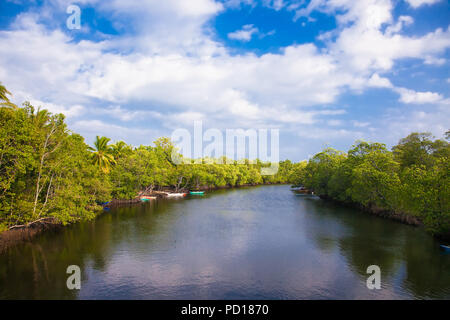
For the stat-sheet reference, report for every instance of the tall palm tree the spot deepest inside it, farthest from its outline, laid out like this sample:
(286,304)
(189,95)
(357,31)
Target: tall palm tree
(120,148)
(4,100)
(102,154)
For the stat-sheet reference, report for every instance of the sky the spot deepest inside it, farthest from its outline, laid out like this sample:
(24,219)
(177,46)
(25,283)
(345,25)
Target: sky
(322,72)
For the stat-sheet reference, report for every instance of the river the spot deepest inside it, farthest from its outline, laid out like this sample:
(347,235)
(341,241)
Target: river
(248,243)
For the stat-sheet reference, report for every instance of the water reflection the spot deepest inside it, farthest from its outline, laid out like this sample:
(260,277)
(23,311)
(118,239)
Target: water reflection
(407,256)
(260,243)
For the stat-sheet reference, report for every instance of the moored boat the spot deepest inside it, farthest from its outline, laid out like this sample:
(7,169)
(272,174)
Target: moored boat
(445,247)
(146,198)
(170,195)
(197,192)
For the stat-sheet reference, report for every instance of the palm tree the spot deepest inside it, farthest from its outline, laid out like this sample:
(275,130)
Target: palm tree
(120,148)
(102,154)
(4,100)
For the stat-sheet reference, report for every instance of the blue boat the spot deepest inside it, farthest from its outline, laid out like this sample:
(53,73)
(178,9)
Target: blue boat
(445,248)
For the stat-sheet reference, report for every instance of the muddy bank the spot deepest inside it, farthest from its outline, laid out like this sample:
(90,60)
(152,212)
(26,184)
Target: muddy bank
(391,215)
(383,213)
(16,236)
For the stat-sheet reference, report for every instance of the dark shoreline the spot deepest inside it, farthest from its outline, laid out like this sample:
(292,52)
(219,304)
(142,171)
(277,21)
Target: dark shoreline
(383,213)
(10,238)
(14,237)
(387,214)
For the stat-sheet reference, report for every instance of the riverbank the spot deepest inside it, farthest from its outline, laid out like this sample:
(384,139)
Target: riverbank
(12,237)
(379,212)
(248,243)
(400,217)
(28,233)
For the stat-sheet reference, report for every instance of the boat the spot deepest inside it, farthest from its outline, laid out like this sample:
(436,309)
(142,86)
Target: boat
(197,192)
(147,198)
(170,195)
(445,247)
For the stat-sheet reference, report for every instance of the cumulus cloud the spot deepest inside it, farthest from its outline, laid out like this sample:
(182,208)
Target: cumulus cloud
(419,3)
(411,96)
(379,82)
(245,34)
(176,71)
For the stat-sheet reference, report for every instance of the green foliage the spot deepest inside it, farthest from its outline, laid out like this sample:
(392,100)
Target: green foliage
(4,100)
(412,180)
(46,171)
(102,155)
(426,194)
(419,149)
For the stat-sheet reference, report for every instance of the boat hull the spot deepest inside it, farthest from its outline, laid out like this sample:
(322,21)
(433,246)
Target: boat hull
(197,193)
(175,195)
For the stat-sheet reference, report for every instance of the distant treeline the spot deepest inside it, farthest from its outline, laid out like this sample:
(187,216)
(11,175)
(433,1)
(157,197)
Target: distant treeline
(48,172)
(410,183)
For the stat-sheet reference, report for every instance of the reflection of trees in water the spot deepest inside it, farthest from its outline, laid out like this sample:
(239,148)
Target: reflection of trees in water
(365,240)
(427,270)
(33,271)
(37,270)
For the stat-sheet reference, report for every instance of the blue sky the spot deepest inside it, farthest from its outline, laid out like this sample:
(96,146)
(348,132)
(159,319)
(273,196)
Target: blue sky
(323,72)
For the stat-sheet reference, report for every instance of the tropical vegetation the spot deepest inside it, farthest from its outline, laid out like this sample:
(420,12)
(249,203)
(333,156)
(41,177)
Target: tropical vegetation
(48,172)
(410,183)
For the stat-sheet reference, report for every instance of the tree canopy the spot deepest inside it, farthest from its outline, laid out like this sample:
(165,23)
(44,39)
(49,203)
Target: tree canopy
(49,172)
(412,180)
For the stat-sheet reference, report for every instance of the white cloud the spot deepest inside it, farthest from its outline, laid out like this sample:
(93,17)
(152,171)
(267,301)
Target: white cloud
(401,23)
(70,112)
(418,3)
(411,96)
(397,123)
(274,4)
(245,34)
(379,82)
(173,70)
(124,114)
(133,135)
(362,44)
(360,124)
(335,122)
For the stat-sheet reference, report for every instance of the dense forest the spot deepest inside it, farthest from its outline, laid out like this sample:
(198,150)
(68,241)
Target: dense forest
(49,172)
(410,183)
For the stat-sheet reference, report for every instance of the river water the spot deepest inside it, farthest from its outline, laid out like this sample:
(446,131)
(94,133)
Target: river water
(247,243)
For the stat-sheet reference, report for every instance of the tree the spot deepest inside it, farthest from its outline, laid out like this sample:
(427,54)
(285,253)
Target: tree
(102,155)
(45,170)
(426,195)
(120,149)
(321,168)
(375,181)
(4,100)
(419,149)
